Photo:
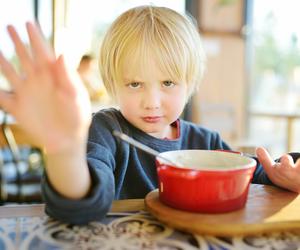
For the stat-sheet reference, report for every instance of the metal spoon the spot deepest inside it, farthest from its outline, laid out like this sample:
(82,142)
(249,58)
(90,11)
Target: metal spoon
(143,147)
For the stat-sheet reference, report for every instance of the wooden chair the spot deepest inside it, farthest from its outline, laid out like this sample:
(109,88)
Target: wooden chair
(21,166)
(20,136)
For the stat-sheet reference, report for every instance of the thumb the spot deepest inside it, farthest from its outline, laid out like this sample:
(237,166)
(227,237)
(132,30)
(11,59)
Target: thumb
(265,159)
(6,101)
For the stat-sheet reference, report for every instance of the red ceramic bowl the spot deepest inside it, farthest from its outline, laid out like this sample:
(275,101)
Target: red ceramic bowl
(208,181)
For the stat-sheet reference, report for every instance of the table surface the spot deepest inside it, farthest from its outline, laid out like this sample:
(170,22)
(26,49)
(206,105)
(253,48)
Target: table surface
(127,226)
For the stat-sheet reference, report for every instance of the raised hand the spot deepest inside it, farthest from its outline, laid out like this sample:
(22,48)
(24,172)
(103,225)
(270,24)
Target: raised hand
(285,173)
(49,102)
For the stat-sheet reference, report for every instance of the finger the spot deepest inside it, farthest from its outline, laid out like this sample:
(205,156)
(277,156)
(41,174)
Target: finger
(265,159)
(24,57)
(297,163)
(41,50)
(6,101)
(287,160)
(9,72)
(63,77)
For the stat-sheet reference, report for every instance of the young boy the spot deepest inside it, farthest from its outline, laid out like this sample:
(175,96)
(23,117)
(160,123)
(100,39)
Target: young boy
(151,62)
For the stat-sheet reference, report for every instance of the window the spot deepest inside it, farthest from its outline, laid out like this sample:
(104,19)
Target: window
(90,19)
(275,74)
(17,12)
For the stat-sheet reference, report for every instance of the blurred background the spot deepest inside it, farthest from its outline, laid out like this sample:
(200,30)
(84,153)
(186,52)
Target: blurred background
(251,88)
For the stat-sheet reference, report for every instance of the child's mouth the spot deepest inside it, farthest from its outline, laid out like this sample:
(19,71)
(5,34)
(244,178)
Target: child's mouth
(152,119)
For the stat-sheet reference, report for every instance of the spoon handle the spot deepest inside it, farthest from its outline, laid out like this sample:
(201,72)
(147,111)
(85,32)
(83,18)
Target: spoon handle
(141,146)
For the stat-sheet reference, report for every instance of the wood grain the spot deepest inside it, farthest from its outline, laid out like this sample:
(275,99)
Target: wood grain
(28,210)
(268,209)
(18,210)
(130,205)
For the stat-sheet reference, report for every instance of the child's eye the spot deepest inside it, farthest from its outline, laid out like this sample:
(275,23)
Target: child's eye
(168,83)
(134,85)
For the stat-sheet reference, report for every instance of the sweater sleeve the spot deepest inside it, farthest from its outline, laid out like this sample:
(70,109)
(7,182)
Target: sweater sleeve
(260,176)
(101,150)
(218,143)
(93,207)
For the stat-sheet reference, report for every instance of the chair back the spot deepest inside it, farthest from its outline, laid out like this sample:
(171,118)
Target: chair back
(21,166)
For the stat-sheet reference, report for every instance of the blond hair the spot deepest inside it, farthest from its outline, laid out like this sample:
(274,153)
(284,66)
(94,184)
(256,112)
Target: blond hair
(152,31)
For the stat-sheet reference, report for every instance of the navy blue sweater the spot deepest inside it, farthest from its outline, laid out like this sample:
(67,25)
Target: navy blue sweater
(120,171)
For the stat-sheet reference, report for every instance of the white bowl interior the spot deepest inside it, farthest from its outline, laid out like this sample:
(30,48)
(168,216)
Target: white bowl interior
(208,159)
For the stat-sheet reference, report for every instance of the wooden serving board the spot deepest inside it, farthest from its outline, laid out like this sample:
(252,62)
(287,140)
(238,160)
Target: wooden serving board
(268,209)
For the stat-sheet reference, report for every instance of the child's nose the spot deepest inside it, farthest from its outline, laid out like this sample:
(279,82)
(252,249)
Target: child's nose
(152,99)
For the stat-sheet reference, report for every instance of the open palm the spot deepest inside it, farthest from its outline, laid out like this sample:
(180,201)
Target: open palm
(49,102)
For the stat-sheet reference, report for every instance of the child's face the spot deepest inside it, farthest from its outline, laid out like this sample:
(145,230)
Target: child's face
(150,100)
